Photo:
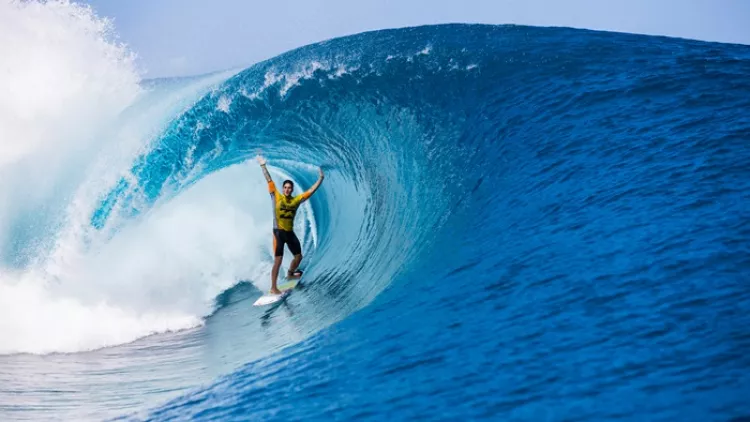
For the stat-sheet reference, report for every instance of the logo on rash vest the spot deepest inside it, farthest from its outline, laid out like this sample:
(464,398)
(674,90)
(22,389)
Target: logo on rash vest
(287,210)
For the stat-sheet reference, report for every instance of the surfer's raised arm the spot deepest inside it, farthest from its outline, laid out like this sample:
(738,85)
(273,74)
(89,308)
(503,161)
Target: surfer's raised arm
(308,193)
(262,162)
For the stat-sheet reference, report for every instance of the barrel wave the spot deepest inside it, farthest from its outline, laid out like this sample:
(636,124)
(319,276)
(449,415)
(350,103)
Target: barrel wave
(516,223)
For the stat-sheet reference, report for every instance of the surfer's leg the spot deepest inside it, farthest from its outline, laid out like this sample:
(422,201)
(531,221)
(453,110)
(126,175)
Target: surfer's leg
(296,250)
(293,266)
(275,274)
(278,246)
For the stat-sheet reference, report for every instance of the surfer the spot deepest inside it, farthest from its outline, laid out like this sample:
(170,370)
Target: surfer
(284,209)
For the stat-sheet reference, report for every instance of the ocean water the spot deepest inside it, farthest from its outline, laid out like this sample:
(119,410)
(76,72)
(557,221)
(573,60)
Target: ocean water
(517,223)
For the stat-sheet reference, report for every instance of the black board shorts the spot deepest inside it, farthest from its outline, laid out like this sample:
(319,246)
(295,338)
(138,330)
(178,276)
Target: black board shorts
(280,237)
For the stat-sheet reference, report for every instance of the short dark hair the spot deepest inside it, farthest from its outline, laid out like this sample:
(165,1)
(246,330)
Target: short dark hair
(288,181)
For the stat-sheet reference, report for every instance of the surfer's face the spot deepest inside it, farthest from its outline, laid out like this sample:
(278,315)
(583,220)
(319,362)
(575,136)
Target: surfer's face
(288,188)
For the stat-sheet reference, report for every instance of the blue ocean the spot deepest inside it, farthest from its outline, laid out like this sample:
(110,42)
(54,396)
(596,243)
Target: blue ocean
(517,223)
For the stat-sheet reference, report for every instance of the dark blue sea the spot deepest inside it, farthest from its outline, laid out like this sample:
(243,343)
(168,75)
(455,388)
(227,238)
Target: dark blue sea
(517,223)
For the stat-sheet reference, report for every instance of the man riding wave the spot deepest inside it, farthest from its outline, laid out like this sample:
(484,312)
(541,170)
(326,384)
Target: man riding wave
(284,209)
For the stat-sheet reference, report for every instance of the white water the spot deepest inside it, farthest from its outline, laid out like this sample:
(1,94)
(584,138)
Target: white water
(73,117)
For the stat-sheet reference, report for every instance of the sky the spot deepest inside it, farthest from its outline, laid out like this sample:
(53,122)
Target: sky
(188,37)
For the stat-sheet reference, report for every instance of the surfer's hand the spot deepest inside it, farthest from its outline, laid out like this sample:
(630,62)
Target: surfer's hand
(261,160)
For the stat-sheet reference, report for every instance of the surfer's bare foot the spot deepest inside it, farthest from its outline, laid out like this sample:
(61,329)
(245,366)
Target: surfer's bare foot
(275,292)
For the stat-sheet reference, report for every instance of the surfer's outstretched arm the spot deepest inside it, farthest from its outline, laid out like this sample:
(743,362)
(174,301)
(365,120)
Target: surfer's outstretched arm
(262,162)
(308,193)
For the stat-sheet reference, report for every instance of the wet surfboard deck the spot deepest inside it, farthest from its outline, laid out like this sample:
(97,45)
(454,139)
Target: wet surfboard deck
(286,289)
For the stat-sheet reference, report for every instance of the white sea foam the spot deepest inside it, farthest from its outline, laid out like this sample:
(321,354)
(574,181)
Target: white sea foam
(73,118)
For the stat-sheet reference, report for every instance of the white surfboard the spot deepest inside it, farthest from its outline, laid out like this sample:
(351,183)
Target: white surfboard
(286,288)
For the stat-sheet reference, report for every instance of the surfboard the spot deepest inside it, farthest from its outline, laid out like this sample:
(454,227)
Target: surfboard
(286,289)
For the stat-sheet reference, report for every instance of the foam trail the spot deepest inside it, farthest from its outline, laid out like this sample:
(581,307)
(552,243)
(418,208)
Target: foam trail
(158,274)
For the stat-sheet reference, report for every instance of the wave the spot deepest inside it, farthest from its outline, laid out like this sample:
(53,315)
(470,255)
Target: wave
(560,187)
